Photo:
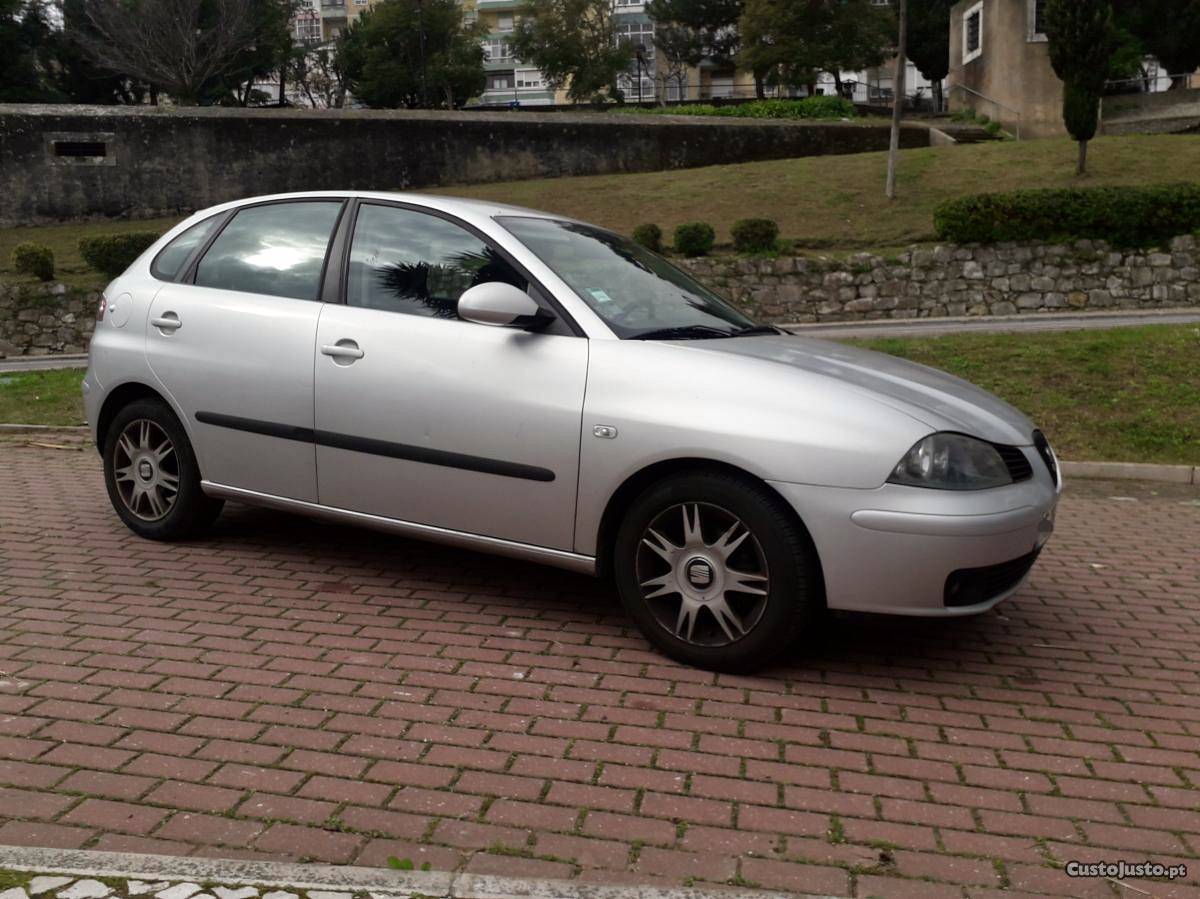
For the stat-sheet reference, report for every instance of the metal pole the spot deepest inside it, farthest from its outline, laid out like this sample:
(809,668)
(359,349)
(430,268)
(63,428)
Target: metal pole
(421,30)
(898,100)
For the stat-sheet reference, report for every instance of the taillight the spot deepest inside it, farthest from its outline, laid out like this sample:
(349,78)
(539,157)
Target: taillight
(100,309)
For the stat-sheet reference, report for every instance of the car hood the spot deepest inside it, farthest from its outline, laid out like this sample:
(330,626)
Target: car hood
(941,401)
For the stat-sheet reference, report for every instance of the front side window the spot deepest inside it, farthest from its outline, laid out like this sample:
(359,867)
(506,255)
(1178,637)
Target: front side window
(170,259)
(418,264)
(638,294)
(278,249)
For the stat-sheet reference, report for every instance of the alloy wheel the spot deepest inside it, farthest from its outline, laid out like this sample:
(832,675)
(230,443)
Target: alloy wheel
(703,574)
(146,470)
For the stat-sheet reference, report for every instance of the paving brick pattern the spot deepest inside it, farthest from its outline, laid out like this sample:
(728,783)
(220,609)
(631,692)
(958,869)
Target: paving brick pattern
(287,689)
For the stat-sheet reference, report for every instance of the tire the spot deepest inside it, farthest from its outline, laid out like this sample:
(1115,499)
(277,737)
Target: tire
(151,474)
(732,594)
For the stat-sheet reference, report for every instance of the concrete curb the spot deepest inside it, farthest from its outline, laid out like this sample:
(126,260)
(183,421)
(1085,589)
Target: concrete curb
(39,429)
(1132,471)
(442,885)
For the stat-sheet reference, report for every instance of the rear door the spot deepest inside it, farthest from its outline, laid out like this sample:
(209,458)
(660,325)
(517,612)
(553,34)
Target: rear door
(232,342)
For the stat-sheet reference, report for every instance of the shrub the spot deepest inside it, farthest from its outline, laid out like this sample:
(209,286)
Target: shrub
(755,235)
(34,259)
(1124,216)
(807,108)
(649,236)
(113,253)
(695,238)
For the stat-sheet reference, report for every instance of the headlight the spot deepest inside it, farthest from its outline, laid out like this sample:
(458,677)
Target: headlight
(952,462)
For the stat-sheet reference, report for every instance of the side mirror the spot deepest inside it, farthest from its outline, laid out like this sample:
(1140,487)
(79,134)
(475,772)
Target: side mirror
(500,304)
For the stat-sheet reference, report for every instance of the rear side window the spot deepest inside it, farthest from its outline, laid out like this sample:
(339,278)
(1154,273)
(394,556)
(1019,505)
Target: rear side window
(278,249)
(170,259)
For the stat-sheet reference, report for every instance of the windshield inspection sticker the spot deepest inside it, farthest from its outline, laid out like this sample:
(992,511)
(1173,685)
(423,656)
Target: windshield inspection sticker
(599,295)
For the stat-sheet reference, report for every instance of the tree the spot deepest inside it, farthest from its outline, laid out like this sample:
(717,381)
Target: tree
(24,39)
(413,54)
(574,43)
(76,76)
(929,41)
(791,41)
(1080,35)
(317,72)
(1168,30)
(182,47)
(688,32)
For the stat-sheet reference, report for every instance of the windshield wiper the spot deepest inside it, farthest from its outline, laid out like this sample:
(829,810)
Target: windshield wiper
(757,329)
(686,332)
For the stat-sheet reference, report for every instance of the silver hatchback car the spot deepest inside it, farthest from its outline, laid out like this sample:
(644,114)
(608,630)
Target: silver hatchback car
(515,382)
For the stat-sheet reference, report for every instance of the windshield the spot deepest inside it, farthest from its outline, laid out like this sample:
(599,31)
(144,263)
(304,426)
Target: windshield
(638,294)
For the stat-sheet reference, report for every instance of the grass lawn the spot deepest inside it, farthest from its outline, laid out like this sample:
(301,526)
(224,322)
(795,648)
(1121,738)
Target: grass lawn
(41,397)
(1122,395)
(838,201)
(821,202)
(64,241)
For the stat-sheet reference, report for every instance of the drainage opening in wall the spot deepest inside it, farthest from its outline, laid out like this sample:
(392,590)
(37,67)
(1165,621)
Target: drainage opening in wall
(80,149)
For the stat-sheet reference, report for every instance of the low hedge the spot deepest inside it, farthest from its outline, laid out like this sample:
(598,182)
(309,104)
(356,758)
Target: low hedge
(822,107)
(113,253)
(1123,216)
(755,235)
(649,236)
(34,259)
(695,238)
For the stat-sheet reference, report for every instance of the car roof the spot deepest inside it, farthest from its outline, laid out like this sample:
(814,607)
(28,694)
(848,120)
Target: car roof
(460,206)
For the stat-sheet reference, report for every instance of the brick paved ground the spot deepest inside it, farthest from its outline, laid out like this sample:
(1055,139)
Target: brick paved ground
(287,689)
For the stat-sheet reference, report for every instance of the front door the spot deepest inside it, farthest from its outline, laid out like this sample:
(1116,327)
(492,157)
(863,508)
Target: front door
(232,344)
(423,417)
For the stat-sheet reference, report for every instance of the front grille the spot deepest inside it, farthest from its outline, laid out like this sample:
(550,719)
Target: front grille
(1015,461)
(1042,445)
(971,586)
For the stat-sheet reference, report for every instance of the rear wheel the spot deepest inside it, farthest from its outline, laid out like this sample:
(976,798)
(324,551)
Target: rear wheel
(716,571)
(151,473)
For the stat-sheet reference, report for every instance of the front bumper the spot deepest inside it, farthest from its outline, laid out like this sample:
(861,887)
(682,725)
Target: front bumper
(894,549)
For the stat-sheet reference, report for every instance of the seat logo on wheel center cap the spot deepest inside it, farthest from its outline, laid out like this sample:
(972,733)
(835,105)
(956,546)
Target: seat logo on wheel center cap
(699,574)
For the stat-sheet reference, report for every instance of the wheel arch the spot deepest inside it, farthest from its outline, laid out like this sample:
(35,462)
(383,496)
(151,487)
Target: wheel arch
(624,496)
(118,399)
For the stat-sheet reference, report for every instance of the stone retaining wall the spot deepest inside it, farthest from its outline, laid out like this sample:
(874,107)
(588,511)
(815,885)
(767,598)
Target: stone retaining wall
(1006,279)
(39,319)
(1000,279)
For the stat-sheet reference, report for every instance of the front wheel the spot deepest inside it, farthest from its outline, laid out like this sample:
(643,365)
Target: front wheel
(716,571)
(151,473)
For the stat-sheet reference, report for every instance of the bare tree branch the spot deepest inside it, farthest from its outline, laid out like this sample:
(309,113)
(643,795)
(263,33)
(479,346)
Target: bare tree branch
(180,46)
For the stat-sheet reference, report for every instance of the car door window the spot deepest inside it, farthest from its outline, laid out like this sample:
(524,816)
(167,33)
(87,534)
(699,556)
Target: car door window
(418,264)
(276,249)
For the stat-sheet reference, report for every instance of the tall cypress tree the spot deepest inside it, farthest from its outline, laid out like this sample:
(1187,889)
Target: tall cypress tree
(1080,35)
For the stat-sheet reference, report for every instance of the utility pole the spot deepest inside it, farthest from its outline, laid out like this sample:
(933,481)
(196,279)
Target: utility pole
(898,90)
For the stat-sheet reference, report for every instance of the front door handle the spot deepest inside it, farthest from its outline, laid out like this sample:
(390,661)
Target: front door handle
(344,352)
(168,322)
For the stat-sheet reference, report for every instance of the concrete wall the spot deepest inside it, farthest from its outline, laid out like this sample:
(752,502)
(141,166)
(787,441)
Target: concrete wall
(167,161)
(1013,70)
(1007,279)
(1160,113)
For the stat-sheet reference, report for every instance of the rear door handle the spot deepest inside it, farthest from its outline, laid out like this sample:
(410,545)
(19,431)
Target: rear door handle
(343,352)
(168,321)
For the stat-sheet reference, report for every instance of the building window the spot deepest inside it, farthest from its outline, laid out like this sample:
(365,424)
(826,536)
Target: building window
(500,82)
(973,33)
(529,80)
(1037,20)
(504,22)
(636,33)
(497,50)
